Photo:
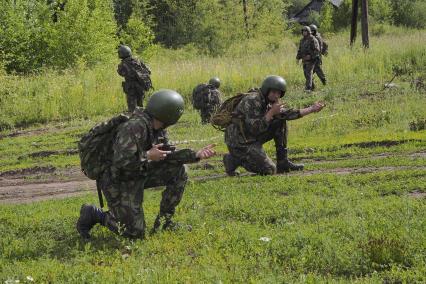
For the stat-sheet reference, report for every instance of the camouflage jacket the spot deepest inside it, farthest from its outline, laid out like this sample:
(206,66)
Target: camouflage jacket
(308,46)
(133,140)
(205,96)
(322,44)
(213,98)
(249,120)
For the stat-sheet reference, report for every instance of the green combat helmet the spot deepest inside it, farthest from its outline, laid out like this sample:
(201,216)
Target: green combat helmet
(166,106)
(215,82)
(313,28)
(306,28)
(124,51)
(273,82)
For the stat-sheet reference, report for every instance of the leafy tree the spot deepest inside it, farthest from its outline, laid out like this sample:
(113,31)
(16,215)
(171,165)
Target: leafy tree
(35,34)
(137,35)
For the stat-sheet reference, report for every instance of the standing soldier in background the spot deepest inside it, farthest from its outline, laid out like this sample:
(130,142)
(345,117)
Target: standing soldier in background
(258,118)
(136,75)
(139,157)
(323,51)
(309,51)
(206,98)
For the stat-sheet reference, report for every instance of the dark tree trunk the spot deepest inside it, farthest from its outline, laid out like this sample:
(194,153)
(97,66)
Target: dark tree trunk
(364,23)
(354,20)
(246,25)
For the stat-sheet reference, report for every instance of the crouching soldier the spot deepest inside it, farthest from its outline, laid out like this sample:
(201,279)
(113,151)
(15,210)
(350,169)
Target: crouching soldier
(258,118)
(206,98)
(141,158)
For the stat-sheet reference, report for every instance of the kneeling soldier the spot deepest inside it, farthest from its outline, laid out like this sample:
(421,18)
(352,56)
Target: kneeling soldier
(258,118)
(138,161)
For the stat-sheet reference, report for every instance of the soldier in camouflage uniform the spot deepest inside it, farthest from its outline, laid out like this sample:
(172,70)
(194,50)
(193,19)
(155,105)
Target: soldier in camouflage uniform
(206,98)
(323,51)
(308,51)
(139,161)
(258,118)
(136,75)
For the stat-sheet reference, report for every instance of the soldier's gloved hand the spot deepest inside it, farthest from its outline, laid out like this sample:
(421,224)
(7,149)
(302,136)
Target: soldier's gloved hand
(155,154)
(206,152)
(317,106)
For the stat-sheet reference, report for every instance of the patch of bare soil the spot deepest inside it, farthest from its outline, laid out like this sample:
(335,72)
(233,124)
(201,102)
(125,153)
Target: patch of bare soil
(42,183)
(28,171)
(417,194)
(43,154)
(383,143)
(25,132)
(27,193)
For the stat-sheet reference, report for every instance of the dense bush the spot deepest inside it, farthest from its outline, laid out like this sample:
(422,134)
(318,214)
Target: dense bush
(35,34)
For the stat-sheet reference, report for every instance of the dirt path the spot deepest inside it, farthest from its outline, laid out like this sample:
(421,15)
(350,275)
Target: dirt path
(24,188)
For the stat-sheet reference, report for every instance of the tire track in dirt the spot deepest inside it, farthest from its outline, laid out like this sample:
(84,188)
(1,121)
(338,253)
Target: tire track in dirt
(30,192)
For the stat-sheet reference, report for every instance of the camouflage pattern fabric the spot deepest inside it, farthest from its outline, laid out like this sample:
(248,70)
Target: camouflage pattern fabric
(318,66)
(308,72)
(322,43)
(95,148)
(209,100)
(250,130)
(137,81)
(124,183)
(309,51)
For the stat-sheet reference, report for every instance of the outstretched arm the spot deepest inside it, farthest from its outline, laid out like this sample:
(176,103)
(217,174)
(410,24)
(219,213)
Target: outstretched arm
(316,107)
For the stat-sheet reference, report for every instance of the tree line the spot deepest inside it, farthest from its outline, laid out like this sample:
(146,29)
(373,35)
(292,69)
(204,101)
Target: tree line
(38,34)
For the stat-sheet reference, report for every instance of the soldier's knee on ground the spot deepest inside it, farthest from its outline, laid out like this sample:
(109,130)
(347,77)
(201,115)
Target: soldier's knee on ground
(269,170)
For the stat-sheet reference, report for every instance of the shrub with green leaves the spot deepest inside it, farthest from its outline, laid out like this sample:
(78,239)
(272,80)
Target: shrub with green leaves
(34,34)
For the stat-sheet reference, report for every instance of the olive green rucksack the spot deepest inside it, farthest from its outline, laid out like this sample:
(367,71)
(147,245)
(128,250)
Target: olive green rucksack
(222,117)
(198,96)
(95,148)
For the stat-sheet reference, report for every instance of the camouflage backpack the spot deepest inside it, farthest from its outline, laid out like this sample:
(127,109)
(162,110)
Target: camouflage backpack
(224,113)
(143,74)
(136,70)
(95,148)
(198,95)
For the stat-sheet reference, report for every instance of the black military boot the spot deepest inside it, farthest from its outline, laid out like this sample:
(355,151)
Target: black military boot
(168,224)
(90,215)
(283,164)
(231,164)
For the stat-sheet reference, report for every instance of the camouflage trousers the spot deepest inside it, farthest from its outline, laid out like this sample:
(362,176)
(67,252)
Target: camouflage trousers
(206,114)
(320,73)
(253,157)
(308,71)
(125,198)
(134,95)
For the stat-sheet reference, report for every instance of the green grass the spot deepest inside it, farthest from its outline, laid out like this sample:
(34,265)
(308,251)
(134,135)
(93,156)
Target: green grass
(324,228)
(80,93)
(363,227)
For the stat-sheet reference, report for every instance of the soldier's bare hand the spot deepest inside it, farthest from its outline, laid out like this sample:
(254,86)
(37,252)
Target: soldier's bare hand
(155,154)
(276,108)
(317,106)
(206,152)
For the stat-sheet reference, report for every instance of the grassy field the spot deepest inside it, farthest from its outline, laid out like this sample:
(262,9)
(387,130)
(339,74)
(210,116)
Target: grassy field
(357,213)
